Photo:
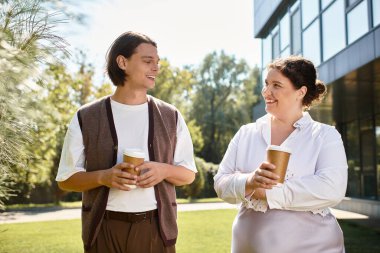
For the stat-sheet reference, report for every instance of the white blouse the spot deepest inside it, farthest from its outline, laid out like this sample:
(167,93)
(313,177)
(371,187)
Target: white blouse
(317,171)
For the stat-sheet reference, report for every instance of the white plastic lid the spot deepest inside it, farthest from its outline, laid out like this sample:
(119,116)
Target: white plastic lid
(279,148)
(138,153)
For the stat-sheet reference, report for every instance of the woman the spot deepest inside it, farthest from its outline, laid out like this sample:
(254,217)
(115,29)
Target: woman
(293,216)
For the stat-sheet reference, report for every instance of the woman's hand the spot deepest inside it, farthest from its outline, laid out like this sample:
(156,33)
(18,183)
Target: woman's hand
(259,180)
(259,194)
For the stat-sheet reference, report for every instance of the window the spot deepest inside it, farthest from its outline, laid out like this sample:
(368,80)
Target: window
(284,31)
(378,153)
(295,6)
(296,32)
(351,2)
(310,9)
(311,43)
(333,29)
(376,12)
(353,159)
(276,46)
(367,145)
(357,22)
(325,3)
(285,52)
(267,50)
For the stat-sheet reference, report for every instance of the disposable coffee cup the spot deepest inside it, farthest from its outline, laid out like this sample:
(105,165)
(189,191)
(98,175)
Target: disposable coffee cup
(135,157)
(279,156)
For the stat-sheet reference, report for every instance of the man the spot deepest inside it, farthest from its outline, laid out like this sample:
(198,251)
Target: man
(115,217)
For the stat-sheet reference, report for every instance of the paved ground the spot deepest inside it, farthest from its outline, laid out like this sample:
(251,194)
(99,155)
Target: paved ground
(55,213)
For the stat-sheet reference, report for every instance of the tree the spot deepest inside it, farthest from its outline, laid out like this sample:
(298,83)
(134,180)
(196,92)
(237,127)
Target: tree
(192,190)
(26,39)
(222,101)
(65,92)
(175,85)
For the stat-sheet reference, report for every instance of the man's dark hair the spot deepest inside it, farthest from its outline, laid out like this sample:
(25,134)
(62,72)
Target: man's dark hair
(124,45)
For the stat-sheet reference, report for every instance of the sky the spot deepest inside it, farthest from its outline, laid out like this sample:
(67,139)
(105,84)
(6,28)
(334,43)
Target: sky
(185,31)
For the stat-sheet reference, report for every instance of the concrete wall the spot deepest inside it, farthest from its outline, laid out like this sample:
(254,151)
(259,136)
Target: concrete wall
(263,12)
(367,207)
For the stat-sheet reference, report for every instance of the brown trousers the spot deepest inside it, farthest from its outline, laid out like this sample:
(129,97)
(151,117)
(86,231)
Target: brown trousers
(117,236)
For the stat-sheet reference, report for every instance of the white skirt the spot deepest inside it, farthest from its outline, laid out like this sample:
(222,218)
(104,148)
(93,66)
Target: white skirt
(280,231)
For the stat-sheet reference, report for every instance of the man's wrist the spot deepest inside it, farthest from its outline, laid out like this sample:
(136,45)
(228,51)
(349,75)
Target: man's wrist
(167,170)
(100,177)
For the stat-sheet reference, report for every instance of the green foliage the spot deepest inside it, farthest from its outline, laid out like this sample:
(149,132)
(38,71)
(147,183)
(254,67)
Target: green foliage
(36,106)
(192,190)
(208,189)
(26,39)
(64,93)
(104,90)
(174,85)
(196,135)
(223,98)
(203,185)
(55,105)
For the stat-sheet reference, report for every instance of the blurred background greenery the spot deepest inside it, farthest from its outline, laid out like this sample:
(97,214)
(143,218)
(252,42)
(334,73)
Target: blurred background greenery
(40,91)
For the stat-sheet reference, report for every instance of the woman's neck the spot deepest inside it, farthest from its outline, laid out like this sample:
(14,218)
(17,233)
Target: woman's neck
(281,128)
(286,121)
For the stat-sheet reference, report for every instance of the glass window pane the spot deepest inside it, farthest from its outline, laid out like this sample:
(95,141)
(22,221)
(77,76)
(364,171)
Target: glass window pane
(267,50)
(296,32)
(376,12)
(376,84)
(311,43)
(367,153)
(295,6)
(353,159)
(325,3)
(276,45)
(378,154)
(333,29)
(285,52)
(284,31)
(310,9)
(324,111)
(357,21)
(351,2)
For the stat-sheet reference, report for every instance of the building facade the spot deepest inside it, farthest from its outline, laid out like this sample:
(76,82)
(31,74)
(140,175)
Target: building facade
(342,38)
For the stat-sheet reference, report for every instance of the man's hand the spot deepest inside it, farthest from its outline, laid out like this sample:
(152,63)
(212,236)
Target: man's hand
(152,173)
(116,177)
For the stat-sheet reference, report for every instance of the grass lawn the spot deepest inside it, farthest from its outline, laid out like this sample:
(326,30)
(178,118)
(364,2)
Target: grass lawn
(199,231)
(77,204)
(359,239)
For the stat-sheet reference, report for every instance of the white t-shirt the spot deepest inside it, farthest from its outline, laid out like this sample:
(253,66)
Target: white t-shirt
(316,177)
(132,127)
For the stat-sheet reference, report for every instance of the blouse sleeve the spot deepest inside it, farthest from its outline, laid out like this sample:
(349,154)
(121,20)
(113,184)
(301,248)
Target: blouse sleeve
(229,183)
(325,188)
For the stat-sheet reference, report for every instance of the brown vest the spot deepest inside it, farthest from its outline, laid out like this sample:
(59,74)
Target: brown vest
(100,147)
